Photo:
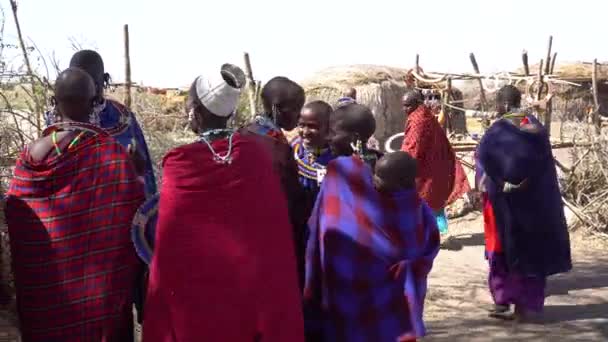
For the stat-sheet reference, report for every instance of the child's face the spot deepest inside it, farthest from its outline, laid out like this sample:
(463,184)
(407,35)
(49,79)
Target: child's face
(313,131)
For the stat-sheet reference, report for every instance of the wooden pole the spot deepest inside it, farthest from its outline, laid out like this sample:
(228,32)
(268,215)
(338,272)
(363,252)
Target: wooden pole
(524,59)
(482,93)
(553,59)
(596,100)
(38,106)
(548,115)
(418,63)
(251,85)
(540,80)
(548,59)
(128,99)
(446,100)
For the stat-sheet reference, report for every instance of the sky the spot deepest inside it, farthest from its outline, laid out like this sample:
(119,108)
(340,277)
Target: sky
(174,41)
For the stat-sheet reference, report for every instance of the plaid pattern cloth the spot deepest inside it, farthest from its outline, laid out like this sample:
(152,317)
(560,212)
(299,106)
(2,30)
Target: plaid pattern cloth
(357,239)
(440,178)
(68,219)
(116,119)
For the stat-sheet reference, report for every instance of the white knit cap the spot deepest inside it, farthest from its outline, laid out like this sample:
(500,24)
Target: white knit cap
(219,97)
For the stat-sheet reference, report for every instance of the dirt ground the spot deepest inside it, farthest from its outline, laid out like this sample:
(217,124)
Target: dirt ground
(458,298)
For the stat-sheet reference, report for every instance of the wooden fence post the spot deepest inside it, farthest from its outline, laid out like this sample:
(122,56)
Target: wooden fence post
(482,93)
(597,122)
(128,98)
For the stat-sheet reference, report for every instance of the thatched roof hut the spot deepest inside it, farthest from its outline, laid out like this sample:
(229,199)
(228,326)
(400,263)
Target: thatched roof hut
(379,87)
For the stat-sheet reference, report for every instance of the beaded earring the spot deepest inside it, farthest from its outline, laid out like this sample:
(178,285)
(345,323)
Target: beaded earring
(191,116)
(357,147)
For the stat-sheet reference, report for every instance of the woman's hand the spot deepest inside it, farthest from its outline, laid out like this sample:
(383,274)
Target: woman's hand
(136,158)
(509,187)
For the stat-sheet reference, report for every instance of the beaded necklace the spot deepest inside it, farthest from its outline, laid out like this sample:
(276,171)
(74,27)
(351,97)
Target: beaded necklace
(70,145)
(213,134)
(312,169)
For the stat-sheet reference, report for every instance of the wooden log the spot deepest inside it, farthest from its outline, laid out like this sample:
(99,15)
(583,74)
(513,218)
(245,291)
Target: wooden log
(251,85)
(524,59)
(553,59)
(482,93)
(548,59)
(596,100)
(128,99)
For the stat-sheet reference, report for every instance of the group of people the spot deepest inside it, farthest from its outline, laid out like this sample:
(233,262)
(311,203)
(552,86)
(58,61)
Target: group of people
(252,237)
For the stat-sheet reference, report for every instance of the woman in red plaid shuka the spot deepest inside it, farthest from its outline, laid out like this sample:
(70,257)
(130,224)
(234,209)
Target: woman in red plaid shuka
(69,212)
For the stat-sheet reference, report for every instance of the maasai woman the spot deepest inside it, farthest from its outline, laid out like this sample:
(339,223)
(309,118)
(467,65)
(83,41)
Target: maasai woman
(441,178)
(122,124)
(69,210)
(283,100)
(525,228)
(114,117)
(369,252)
(244,283)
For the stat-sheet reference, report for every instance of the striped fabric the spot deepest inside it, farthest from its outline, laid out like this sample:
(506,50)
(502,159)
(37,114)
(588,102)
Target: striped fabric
(358,239)
(69,218)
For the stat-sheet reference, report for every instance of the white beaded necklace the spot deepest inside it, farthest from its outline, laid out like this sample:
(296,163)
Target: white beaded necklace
(218,158)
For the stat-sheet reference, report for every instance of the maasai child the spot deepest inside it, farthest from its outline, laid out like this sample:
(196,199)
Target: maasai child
(311,148)
(312,154)
(283,100)
(243,286)
(349,96)
(525,228)
(69,210)
(114,117)
(370,251)
(441,178)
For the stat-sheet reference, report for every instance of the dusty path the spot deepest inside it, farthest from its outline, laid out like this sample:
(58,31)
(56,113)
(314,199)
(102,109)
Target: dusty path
(576,307)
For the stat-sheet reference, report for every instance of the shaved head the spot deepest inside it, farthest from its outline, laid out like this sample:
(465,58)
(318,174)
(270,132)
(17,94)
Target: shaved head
(350,123)
(91,62)
(395,171)
(284,99)
(350,92)
(355,119)
(74,94)
(411,100)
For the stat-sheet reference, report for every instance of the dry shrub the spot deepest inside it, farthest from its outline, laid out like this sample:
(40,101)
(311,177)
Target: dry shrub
(586,184)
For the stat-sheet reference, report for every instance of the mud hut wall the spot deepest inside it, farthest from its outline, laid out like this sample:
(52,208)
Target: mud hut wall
(384,99)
